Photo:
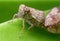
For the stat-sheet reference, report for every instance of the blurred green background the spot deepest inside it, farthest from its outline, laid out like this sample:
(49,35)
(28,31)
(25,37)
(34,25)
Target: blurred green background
(8,8)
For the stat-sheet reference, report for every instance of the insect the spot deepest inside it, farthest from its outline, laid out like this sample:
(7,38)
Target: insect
(52,20)
(30,15)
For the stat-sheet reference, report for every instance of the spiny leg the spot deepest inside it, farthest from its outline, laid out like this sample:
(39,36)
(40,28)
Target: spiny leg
(31,25)
(23,26)
(16,16)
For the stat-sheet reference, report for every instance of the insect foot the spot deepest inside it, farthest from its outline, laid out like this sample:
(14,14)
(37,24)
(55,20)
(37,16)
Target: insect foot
(52,20)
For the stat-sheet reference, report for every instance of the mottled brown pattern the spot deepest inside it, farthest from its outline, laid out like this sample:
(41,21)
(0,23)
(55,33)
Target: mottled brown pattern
(52,21)
(37,18)
(32,15)
(31,19)
(53,17)
(58,9)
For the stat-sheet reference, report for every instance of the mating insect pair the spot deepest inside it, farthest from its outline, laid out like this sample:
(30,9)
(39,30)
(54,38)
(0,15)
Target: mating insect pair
(36,17)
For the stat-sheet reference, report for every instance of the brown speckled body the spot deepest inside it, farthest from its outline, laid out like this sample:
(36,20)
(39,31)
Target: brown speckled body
(36,17)
(53,20)
(33,16)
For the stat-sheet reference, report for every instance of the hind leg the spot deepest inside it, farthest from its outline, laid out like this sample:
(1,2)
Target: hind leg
(31,25)
(51,29)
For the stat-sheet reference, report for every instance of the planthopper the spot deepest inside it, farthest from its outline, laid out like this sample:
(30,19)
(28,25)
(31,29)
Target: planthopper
(30,15)
(52,20)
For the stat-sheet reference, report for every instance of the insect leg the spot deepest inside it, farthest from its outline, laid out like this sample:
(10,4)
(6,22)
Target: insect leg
(30,24)
(23,26)
(15,16)
(51,29)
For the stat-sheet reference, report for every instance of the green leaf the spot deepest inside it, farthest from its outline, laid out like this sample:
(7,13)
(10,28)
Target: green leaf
(11,31)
